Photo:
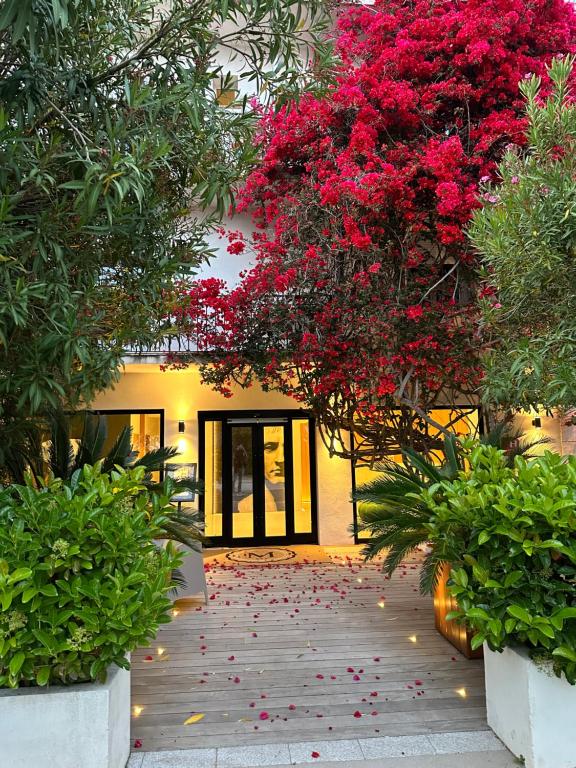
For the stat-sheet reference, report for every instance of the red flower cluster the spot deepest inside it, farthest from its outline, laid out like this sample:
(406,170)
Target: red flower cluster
(362,299)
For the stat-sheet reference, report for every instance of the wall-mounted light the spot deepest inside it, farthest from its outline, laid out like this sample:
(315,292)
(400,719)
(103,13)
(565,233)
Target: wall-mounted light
(181,427)
(537,422)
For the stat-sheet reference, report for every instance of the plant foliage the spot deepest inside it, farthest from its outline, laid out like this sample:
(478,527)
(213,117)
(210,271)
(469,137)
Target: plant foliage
(509,533)
(526,237)
(81,582)
(394,514)
(112,145)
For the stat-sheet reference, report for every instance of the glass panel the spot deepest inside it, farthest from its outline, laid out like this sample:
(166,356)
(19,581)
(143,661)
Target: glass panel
(146,432)
(274,482)
(242,483)
(213,478)
(363,474)
(462,421)
(302,483)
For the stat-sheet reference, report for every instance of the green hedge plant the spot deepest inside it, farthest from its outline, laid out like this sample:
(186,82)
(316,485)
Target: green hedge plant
(81,581)
(509,533)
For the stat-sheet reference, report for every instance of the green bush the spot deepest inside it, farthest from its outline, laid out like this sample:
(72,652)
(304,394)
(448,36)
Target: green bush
(81,582)
(510,534)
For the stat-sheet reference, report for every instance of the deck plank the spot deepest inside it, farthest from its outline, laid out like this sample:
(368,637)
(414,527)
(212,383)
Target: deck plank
(287,634)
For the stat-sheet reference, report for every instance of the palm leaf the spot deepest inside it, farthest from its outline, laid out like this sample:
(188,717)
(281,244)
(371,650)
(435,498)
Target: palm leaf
(121,451)
(154,461)
(91,442)
(61,453)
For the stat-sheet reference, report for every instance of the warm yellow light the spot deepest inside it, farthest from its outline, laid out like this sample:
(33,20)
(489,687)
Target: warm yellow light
(381,604)
(137,710)
(182,445)
(462,692)
(359,581)
(413,639)
(175,612)
(160,651)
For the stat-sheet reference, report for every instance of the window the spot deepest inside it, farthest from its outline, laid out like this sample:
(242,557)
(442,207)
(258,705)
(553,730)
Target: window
(226,88)
(463,421)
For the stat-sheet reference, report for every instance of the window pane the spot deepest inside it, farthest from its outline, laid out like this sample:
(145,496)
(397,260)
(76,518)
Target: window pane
(242,483)
(274,481)
(302,482)
(213,478)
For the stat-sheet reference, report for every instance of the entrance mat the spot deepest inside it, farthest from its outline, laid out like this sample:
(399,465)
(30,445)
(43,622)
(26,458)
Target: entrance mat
(262,556)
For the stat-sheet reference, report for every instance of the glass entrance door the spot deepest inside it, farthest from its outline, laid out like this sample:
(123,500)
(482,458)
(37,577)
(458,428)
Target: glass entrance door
(260,490)
(259,484)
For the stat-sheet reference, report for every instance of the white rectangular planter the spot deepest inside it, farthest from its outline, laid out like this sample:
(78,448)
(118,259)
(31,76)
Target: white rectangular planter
(78,726)
(192,569)
(531,710)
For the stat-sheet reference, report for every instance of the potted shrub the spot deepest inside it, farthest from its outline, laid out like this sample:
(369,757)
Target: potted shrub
(509,533)
(81,585)
(396,517)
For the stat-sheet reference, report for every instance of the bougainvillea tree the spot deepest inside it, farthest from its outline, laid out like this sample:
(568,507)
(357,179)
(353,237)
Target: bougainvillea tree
(361,304)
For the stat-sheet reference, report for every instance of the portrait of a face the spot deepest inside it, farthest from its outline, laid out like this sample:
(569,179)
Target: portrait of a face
(274,455)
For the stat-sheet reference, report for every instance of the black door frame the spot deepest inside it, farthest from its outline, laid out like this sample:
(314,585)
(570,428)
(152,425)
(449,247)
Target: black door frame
(260,418)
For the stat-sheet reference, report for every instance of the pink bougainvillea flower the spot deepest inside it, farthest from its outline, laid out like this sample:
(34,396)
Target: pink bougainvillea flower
(264,716)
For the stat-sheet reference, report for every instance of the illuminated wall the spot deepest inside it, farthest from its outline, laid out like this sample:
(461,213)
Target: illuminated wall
(181,395)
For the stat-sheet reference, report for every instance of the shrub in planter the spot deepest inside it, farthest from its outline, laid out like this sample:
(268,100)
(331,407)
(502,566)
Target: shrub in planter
(509,533)
(81,582)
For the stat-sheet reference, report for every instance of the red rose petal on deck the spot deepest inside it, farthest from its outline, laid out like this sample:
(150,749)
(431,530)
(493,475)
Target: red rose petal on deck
(319,677)
(418,682)
(356,678)
(137,744)
(263,715)
(315,754)
(236,679)
(292,707)
(357,714)
(350,669)
(231,658)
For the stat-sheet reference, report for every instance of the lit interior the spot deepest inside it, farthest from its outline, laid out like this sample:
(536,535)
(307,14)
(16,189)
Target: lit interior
(302,482)
(466,424)
(213,478)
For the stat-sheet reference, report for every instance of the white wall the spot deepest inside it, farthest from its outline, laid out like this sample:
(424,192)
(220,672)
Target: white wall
(181,395)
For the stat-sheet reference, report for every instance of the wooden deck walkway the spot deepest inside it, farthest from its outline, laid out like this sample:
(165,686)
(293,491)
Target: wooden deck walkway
(299,651)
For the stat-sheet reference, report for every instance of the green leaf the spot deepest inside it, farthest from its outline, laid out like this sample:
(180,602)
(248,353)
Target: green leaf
(49,590)
(519,613)
(16,663)
(42,676)
(565,652)
(28,594)
(20,574)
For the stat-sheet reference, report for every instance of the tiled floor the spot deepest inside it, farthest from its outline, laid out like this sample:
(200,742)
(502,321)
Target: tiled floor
(320,651)
(340,751)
